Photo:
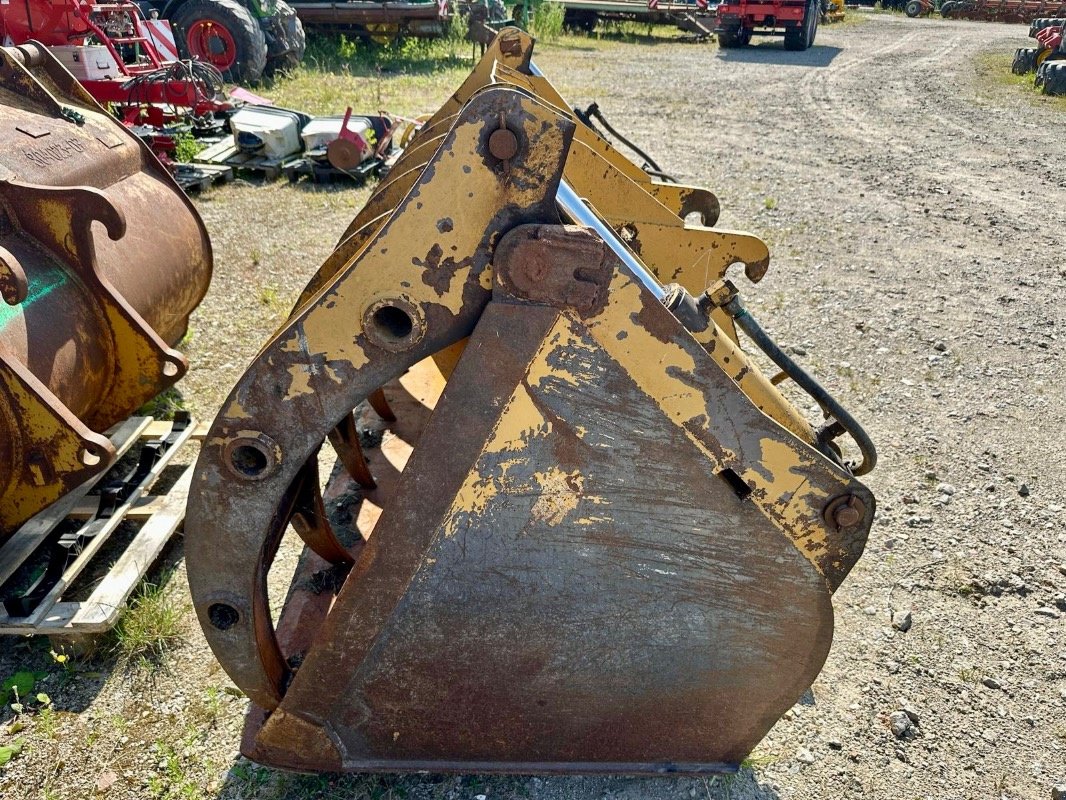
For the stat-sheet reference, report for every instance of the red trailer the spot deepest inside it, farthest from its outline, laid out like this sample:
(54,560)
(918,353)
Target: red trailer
(795,20)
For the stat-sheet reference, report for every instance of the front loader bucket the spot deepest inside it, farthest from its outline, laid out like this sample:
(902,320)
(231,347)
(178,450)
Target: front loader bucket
(102,260)
(603,542)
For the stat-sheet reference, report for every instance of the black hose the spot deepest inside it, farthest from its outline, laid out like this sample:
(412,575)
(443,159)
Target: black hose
(841,420)
(594,111)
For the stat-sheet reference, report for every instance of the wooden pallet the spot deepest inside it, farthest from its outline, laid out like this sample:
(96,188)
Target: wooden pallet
(162,515)
(197,177)
(225,153)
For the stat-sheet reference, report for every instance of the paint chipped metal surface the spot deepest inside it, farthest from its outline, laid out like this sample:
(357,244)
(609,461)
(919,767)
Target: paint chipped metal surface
(102,259)
(611,546)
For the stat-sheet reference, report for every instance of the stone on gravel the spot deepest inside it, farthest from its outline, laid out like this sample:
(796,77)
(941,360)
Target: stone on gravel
(1047,611)
(946,488)
(805,756)
(991,683)
(900,723)
(902,621)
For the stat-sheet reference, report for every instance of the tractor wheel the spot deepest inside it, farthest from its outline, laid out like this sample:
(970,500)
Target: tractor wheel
(947,9)
(296,39)
(734,37)
(913,8)
(1041,71)
(1024,60)
(1054,78)
(1041,23)
(222,33)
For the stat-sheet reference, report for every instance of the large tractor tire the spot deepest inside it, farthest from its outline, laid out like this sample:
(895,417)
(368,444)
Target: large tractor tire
(1054,78)
(1040,23)
(296,40)
(947,9)
(802,37)
(222,33)
(913,8)
(734,37)
(1024,60)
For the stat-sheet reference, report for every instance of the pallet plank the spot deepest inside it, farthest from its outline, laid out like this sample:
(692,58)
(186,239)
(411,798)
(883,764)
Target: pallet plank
(100,612)
(98,541)
(162,515)
(29,537)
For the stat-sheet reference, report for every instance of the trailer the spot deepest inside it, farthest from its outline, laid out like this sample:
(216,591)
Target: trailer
(795,20)
(692,16)
(378,19)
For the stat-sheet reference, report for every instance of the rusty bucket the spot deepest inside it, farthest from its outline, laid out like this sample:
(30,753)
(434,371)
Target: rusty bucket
(102,259)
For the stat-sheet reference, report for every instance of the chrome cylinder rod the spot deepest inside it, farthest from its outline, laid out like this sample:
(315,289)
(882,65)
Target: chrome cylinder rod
(575,208)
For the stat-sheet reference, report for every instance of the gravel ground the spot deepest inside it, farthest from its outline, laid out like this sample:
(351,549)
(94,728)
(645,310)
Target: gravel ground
(914,209)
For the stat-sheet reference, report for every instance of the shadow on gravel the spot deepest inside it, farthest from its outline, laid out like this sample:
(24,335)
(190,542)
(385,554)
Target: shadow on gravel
(246,780)
(774,52)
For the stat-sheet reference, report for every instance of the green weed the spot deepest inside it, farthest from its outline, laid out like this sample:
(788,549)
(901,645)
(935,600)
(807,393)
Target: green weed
(186,147)
(151,625)
(995,69)
(163,406)
(547,22)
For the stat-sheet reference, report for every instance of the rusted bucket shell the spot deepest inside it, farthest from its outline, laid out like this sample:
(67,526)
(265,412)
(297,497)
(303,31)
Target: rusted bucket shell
(102,260)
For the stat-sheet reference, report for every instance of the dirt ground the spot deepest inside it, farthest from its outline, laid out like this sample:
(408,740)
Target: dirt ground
(914,209)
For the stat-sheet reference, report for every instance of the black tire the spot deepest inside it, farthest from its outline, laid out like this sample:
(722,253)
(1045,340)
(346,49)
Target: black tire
(802,37)
(242,27)
(1040,23)
(1024,60)
(580,20)
(1054,78)
(295,41)
(733,38)
(947,9)
(913,8)
(813,31)
(1041,71)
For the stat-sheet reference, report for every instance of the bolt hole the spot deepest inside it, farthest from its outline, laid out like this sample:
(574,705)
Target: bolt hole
(248,460)
(223,616)
(90,458)
(393,323)
(170,369)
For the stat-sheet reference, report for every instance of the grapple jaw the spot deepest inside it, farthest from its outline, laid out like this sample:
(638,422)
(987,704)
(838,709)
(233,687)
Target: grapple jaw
(611,547)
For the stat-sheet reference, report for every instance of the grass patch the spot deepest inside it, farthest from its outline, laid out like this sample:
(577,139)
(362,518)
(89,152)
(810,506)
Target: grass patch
(995,69)
(404,76)
(151,626)
(164,405)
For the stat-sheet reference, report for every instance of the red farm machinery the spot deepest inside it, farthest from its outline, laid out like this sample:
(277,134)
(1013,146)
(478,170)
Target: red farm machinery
(795,20)
(122,60)
(1018,11)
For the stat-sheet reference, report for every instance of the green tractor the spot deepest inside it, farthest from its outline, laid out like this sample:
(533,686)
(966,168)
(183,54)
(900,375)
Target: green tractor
(244,39)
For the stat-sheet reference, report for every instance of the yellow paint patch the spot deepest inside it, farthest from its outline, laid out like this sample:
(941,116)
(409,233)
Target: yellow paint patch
(301,380)
(559,495)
